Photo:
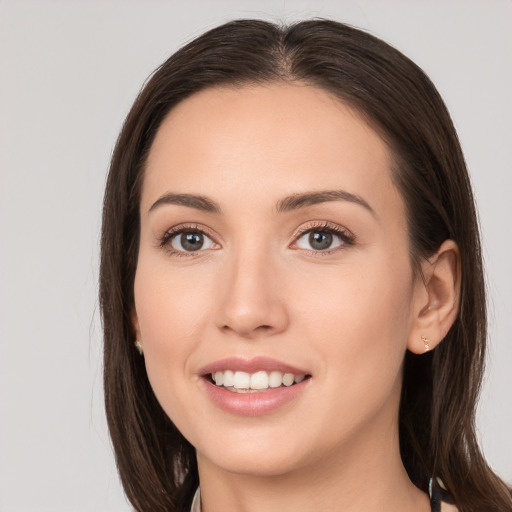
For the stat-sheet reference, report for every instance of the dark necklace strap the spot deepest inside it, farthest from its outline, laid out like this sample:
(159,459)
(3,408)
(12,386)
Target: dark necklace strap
(438,495)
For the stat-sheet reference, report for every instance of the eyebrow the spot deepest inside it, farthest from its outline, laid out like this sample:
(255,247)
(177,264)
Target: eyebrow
(191,200)
(290,203)
(297,201)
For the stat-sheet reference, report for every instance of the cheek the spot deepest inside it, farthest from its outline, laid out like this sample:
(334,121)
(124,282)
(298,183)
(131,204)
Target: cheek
(170,304)
(369,303)
(171,312)
(357,322)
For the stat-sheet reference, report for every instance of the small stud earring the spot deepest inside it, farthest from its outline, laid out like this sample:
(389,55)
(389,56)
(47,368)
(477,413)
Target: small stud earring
(138,346)
(425,341)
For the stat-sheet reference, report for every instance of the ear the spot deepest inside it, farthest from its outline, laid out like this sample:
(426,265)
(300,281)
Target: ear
(436,301)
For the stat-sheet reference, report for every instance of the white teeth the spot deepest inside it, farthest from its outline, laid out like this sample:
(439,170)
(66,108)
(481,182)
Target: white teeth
(275,379)
(229,378)
(288,379)
(242,381)
(259,380)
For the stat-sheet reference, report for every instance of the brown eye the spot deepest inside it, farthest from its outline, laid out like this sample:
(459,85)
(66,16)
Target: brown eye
(320,240)
(324,239)
(191,241)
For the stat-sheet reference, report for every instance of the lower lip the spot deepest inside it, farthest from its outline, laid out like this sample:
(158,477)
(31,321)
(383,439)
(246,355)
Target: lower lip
(253,404)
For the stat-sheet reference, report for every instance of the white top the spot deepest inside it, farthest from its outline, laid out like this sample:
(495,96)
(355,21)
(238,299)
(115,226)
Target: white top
(196,502)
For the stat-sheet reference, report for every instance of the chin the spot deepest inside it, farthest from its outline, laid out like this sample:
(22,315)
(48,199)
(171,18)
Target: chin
(254,457)
(262,466)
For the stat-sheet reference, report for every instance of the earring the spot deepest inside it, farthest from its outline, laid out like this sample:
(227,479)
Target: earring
(138,346)
(425,341)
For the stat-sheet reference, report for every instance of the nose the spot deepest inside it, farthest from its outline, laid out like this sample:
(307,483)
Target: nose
(252,303)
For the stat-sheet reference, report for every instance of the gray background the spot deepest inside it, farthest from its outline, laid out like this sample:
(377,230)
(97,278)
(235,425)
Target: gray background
(69,71)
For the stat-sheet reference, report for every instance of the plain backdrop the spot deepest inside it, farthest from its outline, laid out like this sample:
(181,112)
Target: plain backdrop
(69,71)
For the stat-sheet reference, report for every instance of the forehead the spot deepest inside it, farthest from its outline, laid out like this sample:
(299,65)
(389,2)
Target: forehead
(263,141)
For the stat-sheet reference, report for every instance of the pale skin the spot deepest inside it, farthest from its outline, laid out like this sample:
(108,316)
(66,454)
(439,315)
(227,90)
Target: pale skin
(257,287)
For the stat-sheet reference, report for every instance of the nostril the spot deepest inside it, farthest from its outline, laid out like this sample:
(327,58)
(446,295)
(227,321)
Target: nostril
(249,332)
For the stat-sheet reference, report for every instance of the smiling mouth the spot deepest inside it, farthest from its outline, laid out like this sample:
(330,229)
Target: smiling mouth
(257,382)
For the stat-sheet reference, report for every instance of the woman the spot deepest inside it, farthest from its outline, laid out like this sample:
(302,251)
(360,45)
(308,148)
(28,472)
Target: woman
(291,282)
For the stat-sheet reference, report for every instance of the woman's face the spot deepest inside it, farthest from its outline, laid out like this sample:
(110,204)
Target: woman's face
(273,241)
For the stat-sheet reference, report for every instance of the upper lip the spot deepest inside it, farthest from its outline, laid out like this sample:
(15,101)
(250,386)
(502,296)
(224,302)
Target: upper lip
(251,365)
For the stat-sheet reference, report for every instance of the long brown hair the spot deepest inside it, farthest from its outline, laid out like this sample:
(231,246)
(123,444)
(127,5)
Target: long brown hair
(157,465)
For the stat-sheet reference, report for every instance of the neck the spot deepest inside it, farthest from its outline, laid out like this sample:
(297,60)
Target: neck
(366,474)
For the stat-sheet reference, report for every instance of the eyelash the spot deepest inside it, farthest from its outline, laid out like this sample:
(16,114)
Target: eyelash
(165,241)
(347,238)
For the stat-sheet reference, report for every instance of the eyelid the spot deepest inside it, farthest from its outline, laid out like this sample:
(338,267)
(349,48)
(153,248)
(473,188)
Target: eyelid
(165,239)
(345,234)
(321,224)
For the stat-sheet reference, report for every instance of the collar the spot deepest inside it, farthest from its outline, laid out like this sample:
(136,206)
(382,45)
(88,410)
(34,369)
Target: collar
(196,502)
